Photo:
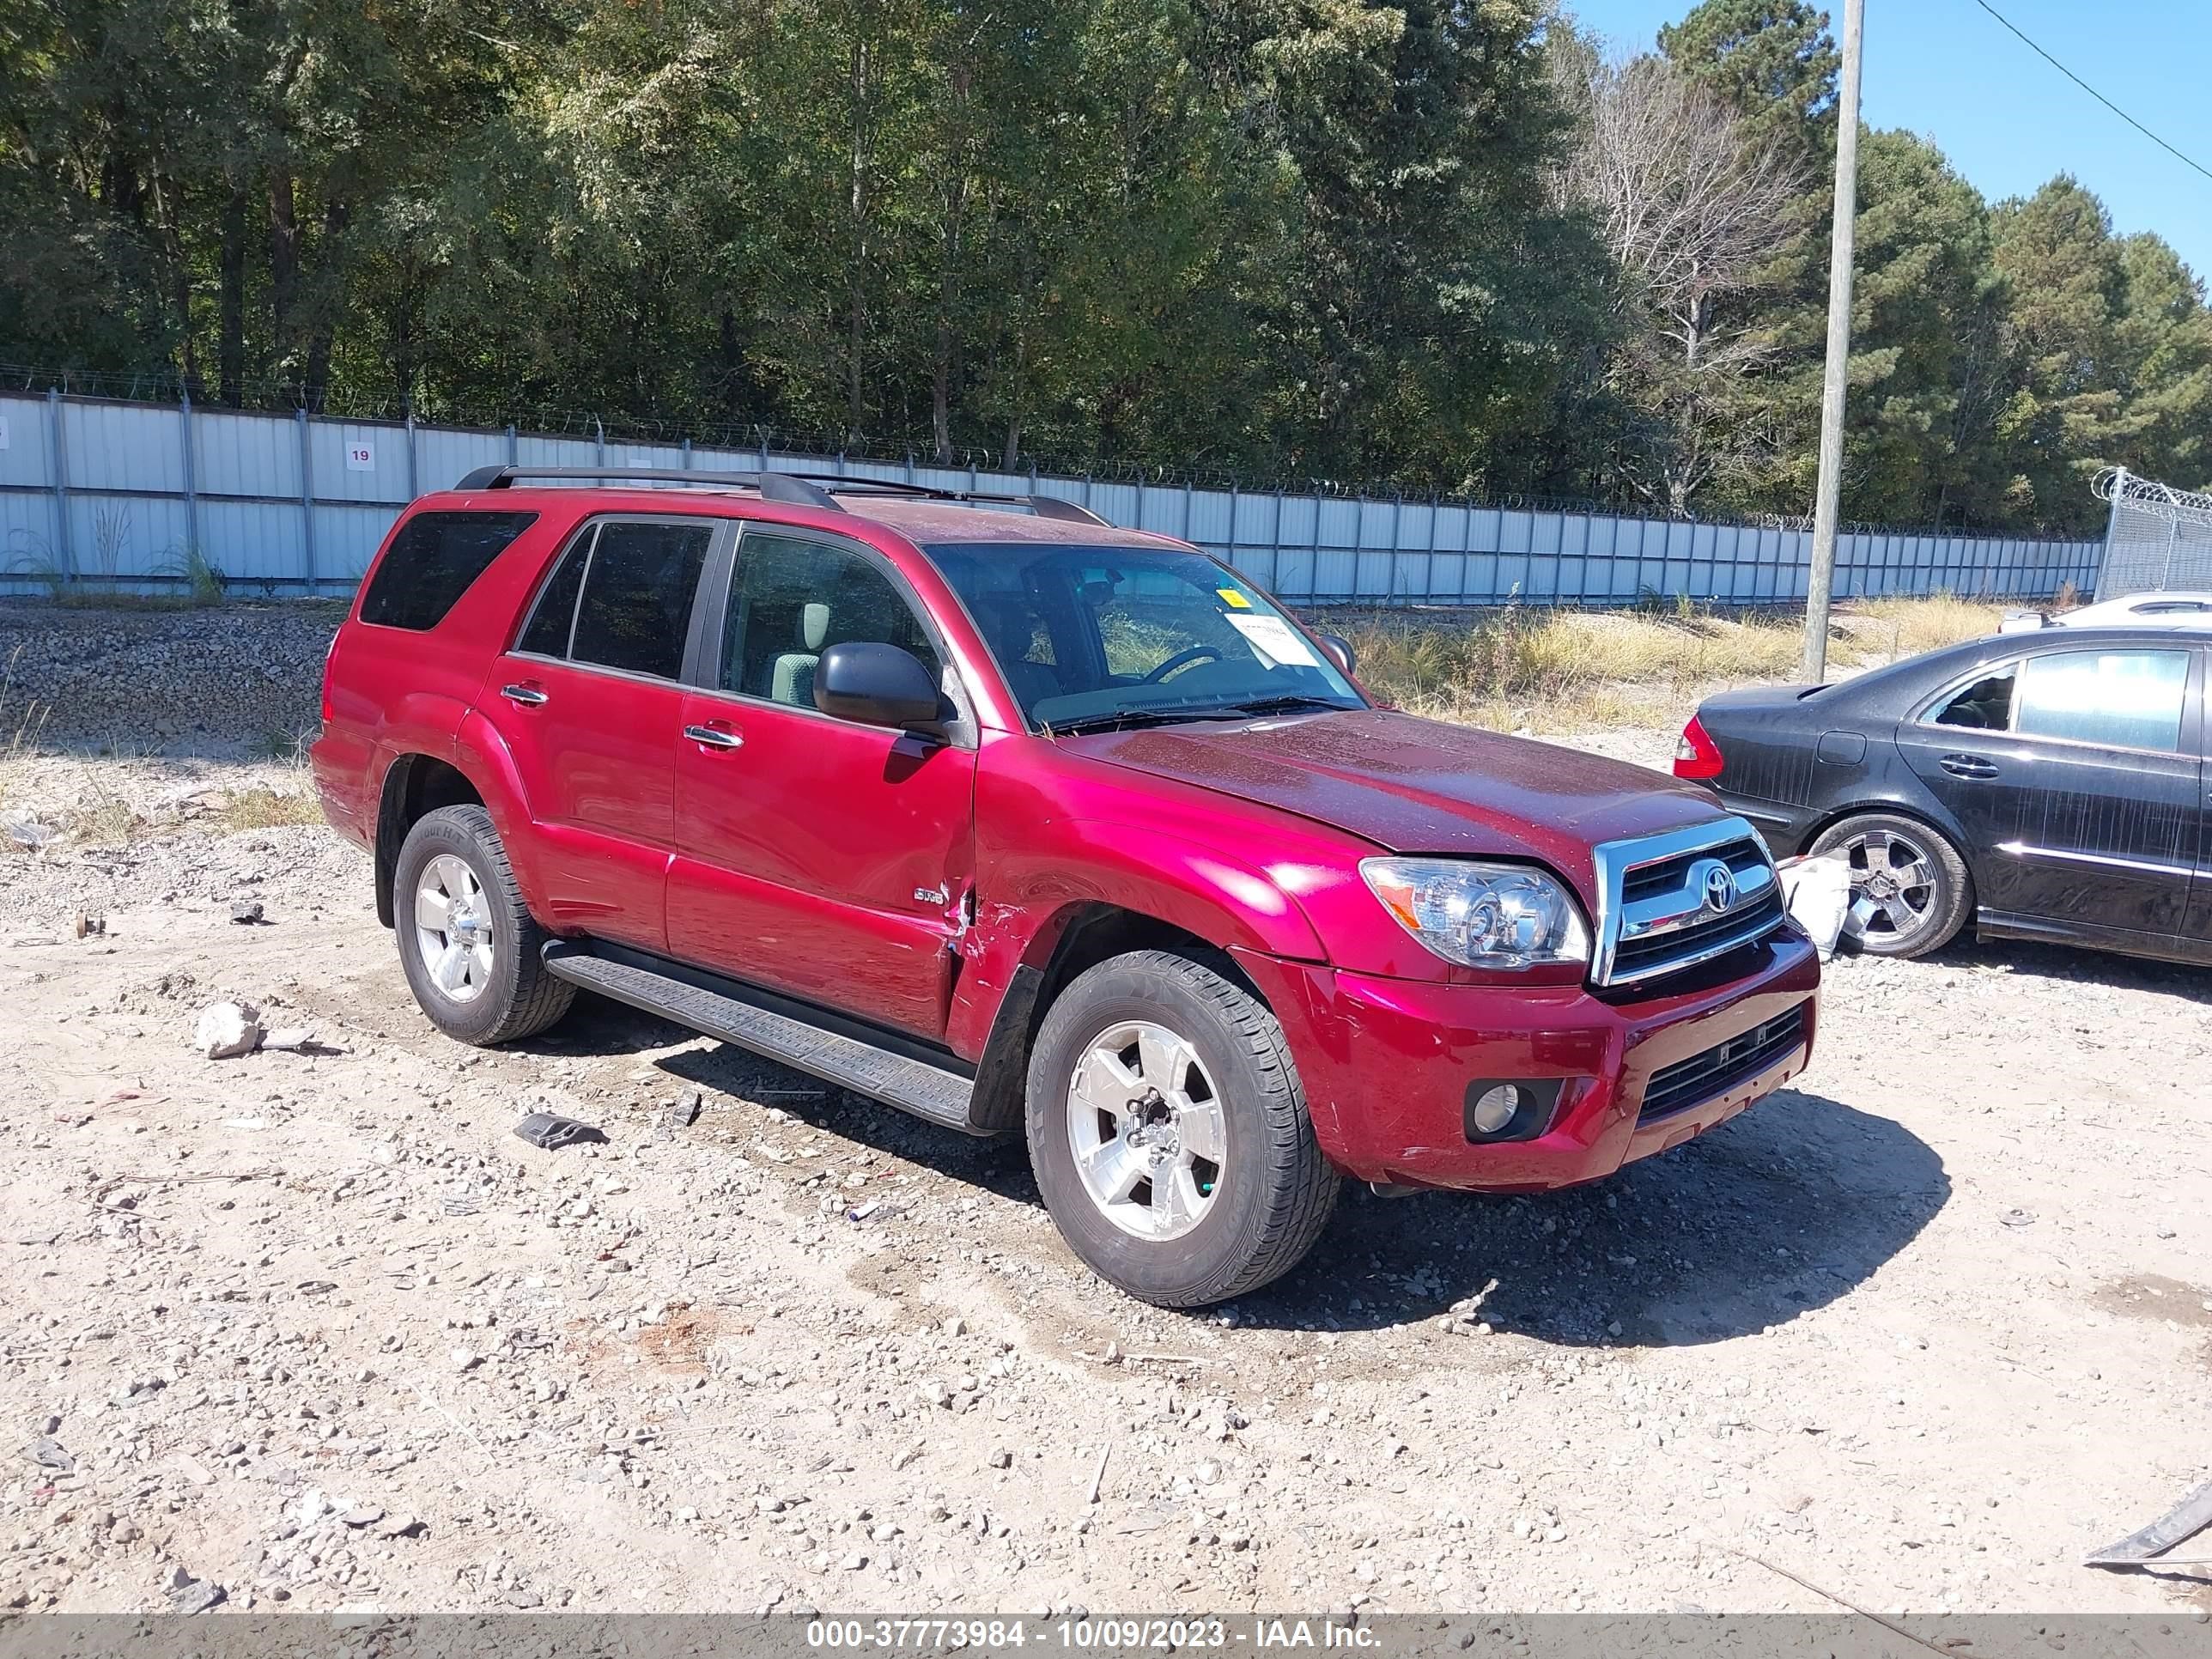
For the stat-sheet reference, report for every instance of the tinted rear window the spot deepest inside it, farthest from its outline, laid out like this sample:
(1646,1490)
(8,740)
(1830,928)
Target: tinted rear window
(433,561)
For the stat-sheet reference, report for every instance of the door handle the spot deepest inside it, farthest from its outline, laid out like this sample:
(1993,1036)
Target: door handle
(1968,766)
(528,696)
(714,738)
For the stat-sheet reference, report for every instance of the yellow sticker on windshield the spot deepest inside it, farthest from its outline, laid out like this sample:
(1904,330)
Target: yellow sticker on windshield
(1233,599)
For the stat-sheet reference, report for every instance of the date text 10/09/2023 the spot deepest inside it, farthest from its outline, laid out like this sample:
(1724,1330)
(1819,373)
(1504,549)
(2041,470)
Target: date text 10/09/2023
(1085,1635)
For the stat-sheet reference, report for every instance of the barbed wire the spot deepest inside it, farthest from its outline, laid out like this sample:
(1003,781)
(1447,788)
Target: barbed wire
(546,420)
(2122,488)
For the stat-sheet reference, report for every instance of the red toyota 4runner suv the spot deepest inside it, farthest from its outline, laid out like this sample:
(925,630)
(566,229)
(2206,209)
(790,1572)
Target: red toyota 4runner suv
(986,809)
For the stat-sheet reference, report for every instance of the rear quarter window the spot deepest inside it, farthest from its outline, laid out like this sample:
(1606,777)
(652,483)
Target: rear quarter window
(435,558)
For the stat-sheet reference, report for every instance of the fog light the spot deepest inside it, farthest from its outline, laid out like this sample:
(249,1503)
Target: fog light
(1494,1109)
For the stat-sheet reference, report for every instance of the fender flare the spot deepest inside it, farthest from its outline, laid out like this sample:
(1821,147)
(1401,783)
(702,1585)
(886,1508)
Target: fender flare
(1183,885)
(1187,884)
(481,756)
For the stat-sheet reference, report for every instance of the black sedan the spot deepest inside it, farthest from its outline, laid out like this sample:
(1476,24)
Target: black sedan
(2050,785)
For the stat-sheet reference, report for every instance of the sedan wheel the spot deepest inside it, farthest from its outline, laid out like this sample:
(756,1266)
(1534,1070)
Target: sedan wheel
(1910,889)
(1893,885)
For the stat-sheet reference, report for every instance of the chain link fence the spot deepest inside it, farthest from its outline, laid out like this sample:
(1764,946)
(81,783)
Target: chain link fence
(2159,538)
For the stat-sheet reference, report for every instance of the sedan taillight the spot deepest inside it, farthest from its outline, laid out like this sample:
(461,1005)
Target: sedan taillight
(1697,756)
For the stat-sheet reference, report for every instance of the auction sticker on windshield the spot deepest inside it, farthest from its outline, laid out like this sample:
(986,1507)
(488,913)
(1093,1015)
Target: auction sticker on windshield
(1273,642)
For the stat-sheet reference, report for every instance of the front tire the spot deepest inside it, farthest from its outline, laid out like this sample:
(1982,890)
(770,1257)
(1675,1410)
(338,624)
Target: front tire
(1911,892)
(1169,1132)
(467,942)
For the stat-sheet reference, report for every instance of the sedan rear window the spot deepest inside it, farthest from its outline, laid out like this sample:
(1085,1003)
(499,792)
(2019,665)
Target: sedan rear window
(435,558)
(1984,706)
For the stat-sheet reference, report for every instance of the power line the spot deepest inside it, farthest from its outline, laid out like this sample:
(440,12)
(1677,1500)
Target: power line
(2185,159)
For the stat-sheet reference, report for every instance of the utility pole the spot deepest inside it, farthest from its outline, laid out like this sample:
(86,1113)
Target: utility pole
(1826,496)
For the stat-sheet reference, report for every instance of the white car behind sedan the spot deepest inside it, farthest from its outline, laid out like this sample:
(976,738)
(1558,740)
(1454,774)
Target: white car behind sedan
(2167,609)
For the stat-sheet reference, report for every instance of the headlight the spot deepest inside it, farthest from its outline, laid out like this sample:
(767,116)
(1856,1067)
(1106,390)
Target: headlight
(1481,915)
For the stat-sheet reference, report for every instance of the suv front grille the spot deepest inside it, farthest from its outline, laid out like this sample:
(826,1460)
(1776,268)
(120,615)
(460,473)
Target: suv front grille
(1693,1081)
(1669,902)
(1640,958)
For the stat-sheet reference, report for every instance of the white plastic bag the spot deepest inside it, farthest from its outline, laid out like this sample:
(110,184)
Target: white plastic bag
(1817,893)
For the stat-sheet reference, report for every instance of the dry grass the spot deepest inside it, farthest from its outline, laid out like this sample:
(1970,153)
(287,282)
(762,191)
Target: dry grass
(102,816)
(1906,628)
(263,808)
(1520,668)
(23,723)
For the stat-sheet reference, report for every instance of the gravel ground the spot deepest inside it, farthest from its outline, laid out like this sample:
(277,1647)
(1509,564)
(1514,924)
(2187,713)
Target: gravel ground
(316,1329)
(234,679)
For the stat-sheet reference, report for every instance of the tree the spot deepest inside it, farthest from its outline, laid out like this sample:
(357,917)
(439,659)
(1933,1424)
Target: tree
(2066,287)
(1772,61)
(1926,364)
(1692,207)
(1402,244)
(2162,365)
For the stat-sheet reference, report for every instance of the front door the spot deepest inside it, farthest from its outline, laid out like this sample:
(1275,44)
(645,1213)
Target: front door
(815,856)
(589,699)
(2077,778)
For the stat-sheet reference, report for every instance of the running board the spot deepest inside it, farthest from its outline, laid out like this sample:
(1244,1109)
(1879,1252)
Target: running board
(911,1084)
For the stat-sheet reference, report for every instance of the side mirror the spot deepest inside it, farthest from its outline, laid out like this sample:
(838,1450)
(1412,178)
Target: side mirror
(875,684)
(1340,651)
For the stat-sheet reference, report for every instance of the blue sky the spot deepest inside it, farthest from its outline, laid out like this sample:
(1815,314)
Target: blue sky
(1948,71)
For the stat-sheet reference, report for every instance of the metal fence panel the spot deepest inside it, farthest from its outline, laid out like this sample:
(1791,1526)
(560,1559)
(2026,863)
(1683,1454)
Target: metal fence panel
(129,491)
(2159,539)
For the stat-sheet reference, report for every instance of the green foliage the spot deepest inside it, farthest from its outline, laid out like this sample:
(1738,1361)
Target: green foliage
(1771,60)
(1317,238)
(201,584)
(2000,356)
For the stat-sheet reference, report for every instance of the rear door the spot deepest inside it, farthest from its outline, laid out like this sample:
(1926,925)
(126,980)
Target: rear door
(815,856)
(589,699)
(2077,775)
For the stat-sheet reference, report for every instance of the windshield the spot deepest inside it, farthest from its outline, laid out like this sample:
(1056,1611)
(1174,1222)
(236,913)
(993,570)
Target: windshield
(1096,635)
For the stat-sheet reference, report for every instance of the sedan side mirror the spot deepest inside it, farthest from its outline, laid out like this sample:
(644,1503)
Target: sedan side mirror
(1340,651)
(875,684)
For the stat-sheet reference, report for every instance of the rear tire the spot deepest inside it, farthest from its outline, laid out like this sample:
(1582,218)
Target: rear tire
(1911,892)
(1169,1134)
(468,944)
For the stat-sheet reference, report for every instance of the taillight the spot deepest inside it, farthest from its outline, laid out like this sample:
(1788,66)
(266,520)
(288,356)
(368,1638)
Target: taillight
(1696,755)
(329,652)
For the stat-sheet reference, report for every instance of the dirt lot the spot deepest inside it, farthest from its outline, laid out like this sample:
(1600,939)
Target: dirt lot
(319,1329)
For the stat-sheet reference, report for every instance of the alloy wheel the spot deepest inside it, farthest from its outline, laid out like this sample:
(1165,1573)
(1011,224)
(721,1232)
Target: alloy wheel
(1893,887)
(1145,1124)
(452,928)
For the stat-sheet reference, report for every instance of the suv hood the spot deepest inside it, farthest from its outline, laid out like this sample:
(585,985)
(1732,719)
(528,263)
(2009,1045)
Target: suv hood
(1419,786)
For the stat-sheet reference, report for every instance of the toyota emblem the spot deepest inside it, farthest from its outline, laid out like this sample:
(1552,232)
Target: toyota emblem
(1718,881)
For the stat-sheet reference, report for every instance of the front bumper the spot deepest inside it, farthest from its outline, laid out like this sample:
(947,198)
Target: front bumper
(1387,1062)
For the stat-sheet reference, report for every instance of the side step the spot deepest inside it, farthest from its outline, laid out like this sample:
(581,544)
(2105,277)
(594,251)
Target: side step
(914,1085)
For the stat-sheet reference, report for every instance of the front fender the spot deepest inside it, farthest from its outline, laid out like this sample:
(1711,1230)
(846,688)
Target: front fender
(1184,882)
(1032,895)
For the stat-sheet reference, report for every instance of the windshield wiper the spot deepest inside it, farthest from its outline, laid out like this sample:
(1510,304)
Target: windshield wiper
(1113,720)
(1285,705)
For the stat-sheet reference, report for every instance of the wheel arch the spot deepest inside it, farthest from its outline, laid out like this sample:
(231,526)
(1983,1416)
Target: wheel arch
(1895,808)
(1073,937)
(415,786)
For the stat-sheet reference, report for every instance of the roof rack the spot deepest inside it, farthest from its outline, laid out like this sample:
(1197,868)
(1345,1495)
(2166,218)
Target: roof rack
(797,488)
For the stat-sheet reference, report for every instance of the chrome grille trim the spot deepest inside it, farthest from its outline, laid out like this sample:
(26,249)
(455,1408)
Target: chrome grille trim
(1672,898)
